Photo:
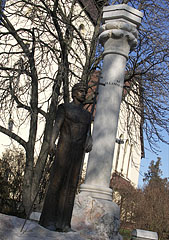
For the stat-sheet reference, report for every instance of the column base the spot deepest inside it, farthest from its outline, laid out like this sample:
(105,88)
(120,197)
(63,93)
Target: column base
(96,191)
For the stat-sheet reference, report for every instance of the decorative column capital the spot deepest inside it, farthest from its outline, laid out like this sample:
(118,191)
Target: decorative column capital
(119,31)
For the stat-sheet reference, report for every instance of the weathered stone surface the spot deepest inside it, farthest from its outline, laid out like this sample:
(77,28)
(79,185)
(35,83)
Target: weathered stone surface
(96,218)
(10,229)
(93,219)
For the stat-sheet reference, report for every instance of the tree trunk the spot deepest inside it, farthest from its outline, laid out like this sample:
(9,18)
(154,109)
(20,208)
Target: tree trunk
(27,182)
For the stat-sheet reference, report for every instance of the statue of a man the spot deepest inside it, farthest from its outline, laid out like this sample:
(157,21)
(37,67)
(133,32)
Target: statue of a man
(72,124)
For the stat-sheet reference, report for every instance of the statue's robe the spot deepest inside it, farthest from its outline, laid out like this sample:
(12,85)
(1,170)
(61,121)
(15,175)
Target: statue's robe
(74,123)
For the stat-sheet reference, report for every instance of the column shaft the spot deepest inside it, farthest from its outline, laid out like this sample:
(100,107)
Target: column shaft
(118,36)
(106,120)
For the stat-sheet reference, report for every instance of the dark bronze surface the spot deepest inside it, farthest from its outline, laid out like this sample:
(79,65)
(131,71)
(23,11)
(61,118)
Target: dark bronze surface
(73,124)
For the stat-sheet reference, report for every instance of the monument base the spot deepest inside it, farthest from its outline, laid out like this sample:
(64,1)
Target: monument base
(96,217)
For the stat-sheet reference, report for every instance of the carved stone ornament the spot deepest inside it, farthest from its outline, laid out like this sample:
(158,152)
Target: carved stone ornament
(119,30)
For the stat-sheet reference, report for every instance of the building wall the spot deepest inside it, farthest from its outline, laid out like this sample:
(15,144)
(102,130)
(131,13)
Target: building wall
(127,155)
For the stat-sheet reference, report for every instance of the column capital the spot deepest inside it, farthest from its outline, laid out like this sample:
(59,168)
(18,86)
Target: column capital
(119,31)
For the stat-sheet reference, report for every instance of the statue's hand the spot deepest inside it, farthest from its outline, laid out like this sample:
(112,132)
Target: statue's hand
(89,144)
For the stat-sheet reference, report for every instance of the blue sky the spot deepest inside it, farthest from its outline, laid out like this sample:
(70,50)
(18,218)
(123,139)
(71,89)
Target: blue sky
(2,5)
(149,156)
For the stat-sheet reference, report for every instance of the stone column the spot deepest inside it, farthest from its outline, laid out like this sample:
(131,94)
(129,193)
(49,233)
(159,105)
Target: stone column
(118,35)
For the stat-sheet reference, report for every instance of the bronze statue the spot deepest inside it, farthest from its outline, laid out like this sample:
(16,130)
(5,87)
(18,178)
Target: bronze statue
(73,124)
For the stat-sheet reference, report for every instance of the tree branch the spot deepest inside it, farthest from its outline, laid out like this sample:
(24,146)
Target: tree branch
(13,136)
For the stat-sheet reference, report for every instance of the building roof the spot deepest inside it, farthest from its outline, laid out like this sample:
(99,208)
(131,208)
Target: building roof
(92,8)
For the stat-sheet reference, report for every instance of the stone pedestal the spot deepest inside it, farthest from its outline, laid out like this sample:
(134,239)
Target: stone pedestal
(96,218)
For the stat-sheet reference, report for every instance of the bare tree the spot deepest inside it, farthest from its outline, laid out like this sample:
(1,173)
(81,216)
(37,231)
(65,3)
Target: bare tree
(43,51)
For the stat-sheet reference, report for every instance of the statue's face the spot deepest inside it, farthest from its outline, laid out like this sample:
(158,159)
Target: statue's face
(80,94)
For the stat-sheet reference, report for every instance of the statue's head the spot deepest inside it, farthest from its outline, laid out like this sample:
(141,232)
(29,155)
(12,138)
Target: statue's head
(79,89)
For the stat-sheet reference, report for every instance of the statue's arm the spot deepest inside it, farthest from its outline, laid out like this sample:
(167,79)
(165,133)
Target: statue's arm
(60,114)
